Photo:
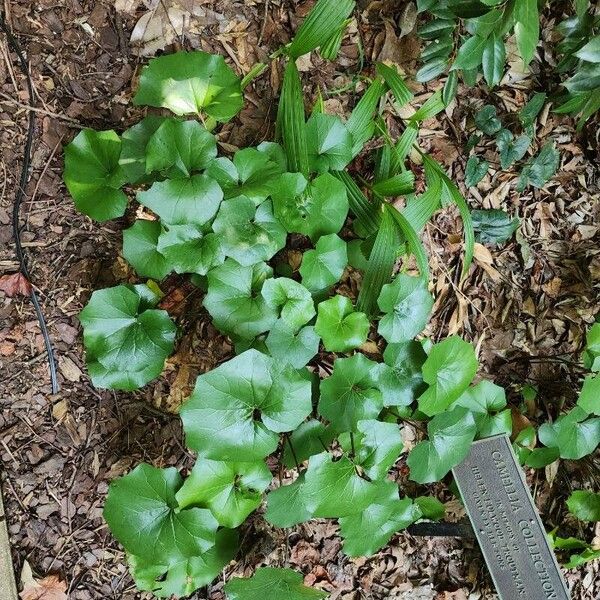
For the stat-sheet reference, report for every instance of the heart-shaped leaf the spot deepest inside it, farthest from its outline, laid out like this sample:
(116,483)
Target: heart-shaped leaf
(341,328)
(194,200)
(510,149)
(142,513)
(324,266)
(248,234)
(93,175)
(191,82)
(350,393)
(400,379)
(231,490)
(449,369)
(329,143)
(139,249)
(234,301)
(133,148)
(573,434)
(292,347)
(406,304)
(450,437)
(239,408)
(290,299)
(126,342)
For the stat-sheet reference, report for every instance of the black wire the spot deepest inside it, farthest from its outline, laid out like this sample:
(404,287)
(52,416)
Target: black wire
(14,44)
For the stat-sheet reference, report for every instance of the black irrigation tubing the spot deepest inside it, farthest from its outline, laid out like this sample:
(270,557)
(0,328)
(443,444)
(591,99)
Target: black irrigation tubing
(462,529)
(19,194)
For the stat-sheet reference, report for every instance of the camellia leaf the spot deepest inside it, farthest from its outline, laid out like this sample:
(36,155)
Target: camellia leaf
(527,28)
(493,226)
(531,110)
(93,175)
(188,250)
(126,342)
(139,249)
(185,577)
(493,60)
(400,379)
(324,266)
(178,148)
(248,234)
(470,53)
(486,401)
(291,346)
(290,299)
(366,532)
(350,393)
(584,505)
(340,327)
(449,369)
(219,417)
(133,148)
(194,200)
(231,490)
(329,143)
(191,82)
(314,209)
(591,51)
(334,489)
(286,505)
(450,437)
(274,584)
(234,301)
(406,304)
(142,513)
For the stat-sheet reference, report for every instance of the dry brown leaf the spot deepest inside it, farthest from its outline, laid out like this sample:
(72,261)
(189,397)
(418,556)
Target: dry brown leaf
(15,284)
(48,588)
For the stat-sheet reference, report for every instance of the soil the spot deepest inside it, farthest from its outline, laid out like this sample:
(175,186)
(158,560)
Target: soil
(526,305)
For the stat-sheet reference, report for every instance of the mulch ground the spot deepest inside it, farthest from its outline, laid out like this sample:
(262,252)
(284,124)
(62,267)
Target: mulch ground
(526,305)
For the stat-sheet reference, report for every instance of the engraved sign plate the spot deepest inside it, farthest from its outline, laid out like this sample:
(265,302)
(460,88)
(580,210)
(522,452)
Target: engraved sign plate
(507,524)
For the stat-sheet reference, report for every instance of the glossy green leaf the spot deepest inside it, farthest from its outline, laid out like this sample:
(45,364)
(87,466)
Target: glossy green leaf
(329,143)
(591,355)
(487,402)
(475,171)
(470,53)
(400,379)
(527,28)
(139,249)
(584,505)
(93,175)
(290,346)
(194,200)
(248,234)
(340,327)
(431,508)
(449,369)
(191,82)
(450,436)
(487,120)
(469,9)
(286,505)
(493,60)
(133,148)
(350,394)
(573,434)
(432,69)
(450,88)
(324,266)
(274,584)
(126,342)
(367,532)
(531,110)
(290,299)
(231,490)
(591,51)
(311,437)
(234,301)
(511,149)
(219,417)
(407,304)
(142,513)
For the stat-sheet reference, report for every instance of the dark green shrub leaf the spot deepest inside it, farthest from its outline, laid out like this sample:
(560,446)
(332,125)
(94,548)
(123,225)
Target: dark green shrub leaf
(540,169)
(476,170)
(450,437)
(591,51)
(329,143)
(406,304)
(586,79)
(139,249)
(126,341)
(191,82)
(493,226)
(470,54)
(527,28)
(142,513)
(93,175)
(584,505)
(234,302)
(289,346)
(324,266)
(280,584)
(133,148)
(432,69)
(449,369)
(350,394)
(468,9)
(194,200)
(188,250)
(400,379)
(231,490)
(340,327)
(219,420)
(366,532)
(486,401)
(487,121)
(493,60)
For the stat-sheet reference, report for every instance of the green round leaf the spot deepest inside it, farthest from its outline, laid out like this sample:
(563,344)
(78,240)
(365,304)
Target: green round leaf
(286,506)
(290,299)
(589,397)
(324,266)
(248,234)
(310,437)
(93,175)
(341,328)
(296,348)
(139,249)
(400,379)
(142,513)
(406,304)
(239,408)
(350,394)
(584,505)
(133,149)
(191,82)
(231,490)
(486,401)
(329,143)
(234,301)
